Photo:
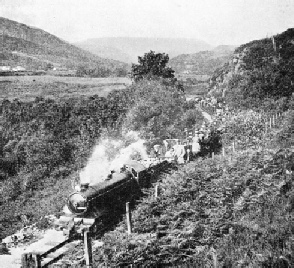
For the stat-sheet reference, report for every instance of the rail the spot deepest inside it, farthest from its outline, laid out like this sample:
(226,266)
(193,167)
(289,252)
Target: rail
(43,259)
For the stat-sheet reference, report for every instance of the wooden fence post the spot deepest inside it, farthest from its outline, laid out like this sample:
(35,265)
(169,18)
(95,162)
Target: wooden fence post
(212,155)
(88,248)
(156,190)
(270,123)
(233,146)
(24,260)
(273,120)
(37,258)
(129,218)
(224,153)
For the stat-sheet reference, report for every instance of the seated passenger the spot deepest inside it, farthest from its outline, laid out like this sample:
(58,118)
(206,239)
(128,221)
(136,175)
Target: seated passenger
(109,177)
(123,169)
(170,154)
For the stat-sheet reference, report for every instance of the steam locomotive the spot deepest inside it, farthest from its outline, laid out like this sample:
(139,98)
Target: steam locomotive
(93,200)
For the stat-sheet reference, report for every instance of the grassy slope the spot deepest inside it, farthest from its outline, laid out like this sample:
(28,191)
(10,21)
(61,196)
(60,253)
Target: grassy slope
(228,211)
(201,63)
(35,48)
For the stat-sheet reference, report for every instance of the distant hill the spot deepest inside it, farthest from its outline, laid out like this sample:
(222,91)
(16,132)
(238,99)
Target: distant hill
(36,49)
(201,63)
(129,48)
(224,48)
(258,70)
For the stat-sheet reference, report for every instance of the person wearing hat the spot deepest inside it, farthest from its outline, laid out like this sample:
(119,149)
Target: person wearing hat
(195,144)
(201,135)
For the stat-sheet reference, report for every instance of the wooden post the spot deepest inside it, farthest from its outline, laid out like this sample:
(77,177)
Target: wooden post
(156,190)
(129,219)
(224,152)
(37,258)
(214,258)
(88,248)
(265,127)
(24,260)
(270,123)
(212,155)
(233,146)
(273,120)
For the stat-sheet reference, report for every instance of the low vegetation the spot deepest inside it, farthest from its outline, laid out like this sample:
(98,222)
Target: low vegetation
(232,211)
(46,141)
(27,88)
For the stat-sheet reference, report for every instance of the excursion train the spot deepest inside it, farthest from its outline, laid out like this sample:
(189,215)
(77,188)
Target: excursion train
(93,200)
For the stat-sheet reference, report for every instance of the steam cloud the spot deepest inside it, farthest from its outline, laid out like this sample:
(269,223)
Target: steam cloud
(111,154)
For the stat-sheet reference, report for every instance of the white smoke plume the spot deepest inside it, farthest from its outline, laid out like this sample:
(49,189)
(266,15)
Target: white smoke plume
(110,154)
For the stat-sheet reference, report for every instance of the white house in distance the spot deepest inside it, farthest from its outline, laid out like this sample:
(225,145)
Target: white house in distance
(18,69)
(5,68)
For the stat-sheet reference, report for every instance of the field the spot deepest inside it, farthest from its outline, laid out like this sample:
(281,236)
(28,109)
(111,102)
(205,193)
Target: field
(27,88)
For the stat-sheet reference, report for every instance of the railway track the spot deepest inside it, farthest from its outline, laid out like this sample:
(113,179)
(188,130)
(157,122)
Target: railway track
(76,236)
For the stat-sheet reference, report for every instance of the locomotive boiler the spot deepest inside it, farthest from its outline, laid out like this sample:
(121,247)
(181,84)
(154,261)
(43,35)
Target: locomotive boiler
(118,187)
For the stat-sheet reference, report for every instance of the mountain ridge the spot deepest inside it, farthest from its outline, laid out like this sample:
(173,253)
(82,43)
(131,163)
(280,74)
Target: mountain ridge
(46,48)
(137,46)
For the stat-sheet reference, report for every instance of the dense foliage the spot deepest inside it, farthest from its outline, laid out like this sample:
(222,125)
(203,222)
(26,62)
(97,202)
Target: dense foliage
(261,71)
(45,142)
(42,143)
(223,212)
(159,109)
(150,65)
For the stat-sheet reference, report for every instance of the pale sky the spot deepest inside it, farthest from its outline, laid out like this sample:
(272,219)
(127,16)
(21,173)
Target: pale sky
(217,22)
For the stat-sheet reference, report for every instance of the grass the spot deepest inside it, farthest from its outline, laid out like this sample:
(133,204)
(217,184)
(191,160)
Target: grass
(27,88)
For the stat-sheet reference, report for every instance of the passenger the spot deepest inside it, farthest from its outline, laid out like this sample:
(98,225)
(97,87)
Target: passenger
(109,177)
(195,145)
(201,136)
(165,143)
(152,153)
(170,155)
(187,152)
(157,150)
(123,169)
(179,153)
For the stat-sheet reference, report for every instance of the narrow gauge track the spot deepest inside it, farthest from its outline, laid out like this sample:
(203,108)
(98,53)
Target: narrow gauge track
(74,229)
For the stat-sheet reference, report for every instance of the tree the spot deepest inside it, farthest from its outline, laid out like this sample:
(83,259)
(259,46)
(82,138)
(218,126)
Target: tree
(150,65)
(155,108)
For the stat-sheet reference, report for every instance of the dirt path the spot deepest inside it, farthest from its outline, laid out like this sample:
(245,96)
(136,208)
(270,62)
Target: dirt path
(206,115)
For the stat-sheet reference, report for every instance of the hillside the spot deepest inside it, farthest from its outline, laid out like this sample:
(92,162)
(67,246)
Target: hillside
(257,71)
(34,48)
(201,63)
(129,48)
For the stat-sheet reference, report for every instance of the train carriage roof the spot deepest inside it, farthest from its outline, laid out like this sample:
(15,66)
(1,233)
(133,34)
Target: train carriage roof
(135,165)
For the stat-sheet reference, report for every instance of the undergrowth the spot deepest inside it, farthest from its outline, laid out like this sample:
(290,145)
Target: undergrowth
(233,211)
